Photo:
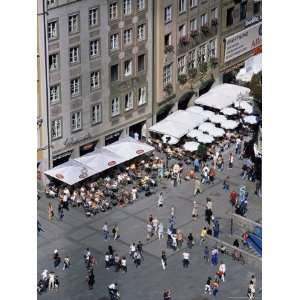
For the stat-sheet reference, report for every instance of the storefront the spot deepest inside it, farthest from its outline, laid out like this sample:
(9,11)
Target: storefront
(114,137)
(61,158)
(136,129)
(87,148)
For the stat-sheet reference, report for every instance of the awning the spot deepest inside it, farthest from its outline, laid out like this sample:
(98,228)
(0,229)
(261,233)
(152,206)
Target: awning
(250,119)
(229,111)
(229,124)
(244,105)
(218,119)
(253,65)
(169,140)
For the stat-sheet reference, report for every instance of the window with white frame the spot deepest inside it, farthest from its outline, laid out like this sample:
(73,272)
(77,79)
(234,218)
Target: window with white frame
(115,106)
(181,6)
(182,30)
(142,96)
(202,54)
(114,41)
(53,62)
(192,59)
(56,128)
(74,23)
(76,121)
(214,13)
(95,80)
(193,3)
(141,32)
(204,20)
(211,48)
(75,87)
(181,65)
(52,30)
(141,4)
(127,7)
(128,36)
(93,16)
(128,67)
(167,75)
(51,3)
(54,93)
(128,101)
(113,11)
(94,48)
(168,13)
(193,24)
(74,55)
(96,114)
(141,62)
(114,72)
(168,39)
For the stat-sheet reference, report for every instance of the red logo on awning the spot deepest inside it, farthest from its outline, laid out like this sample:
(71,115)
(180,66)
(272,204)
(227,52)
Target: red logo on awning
(112,163)
(140,151)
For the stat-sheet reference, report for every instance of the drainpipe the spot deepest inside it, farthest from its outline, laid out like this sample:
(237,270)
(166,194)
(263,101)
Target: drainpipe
(153,55)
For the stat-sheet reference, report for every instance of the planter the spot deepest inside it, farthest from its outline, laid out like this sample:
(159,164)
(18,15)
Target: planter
(183,41)
(182,78)
(205,29)
(169,49)
(168,88)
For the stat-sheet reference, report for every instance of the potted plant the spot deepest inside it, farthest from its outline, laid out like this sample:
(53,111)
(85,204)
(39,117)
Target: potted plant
(214,22)
(183,41)
(168,88)
(192,72)
(182,78)
(204,29)
(194,34)
(169,48)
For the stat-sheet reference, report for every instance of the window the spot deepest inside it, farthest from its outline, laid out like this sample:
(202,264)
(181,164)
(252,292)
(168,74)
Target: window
(114,41)
(127,37)
(214,13)
(53,62)
(256,7)
(128,67)
(114,72)
(193,3)
(54,93)
(181,6)
(74,55)
(204,20)
(76,121)
(229,16)
(141,32)
(142,96)
(168,13)
(192,59)
(93,17)
(113,11)
(141,4)
(211,49)
(95,80)
(193,25)
(202,54)
(50,2)
(243,10)
(127,7)
(181,65)
(141,62)
(52,30)
(128,101)
(182,30)
(96,114)
(74,23)
(168,39)
(94,48)
(167,77)
(115,106)
(75,87)
(56,128)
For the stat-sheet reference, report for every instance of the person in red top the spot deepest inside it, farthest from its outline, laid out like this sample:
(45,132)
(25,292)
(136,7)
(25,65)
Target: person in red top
(233,198)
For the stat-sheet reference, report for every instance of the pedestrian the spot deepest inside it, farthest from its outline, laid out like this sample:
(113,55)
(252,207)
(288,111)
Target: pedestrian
(110,250)
(160,231)
(163,259)
(207,288)
(117,262)
(230,160)
(208,203)
(150,219)
(212,174)
(67,263)
(86,255)
(160,201)
(203,234)
(196,165)
(186,259)
(179,237)
(106,260)
(132,249)
(190,240)
(167,295)
(51,281)
(91,279)
(139,248)
(39,227)
(149,231)
(56,258)
(155,223)
(115,232)
(105,231)
(216,228)
(195,211)
(124,264)
(50,212)
(226,184)
(253,279)
(222,271)
(134,193)
(206,254)
(197,186)
(60,211)
(251,291)
(215,286)
(137,258)
(214,256)
(208,215)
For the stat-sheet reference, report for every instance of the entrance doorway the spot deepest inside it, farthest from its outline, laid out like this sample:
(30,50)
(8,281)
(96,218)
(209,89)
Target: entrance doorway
(87,148)
(114,137)
(136,128)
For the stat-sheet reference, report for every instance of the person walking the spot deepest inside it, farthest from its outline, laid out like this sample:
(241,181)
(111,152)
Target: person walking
(207,288)
(214,256)
(160,231)
(67,263)
(132,249)
(179,238)
(149,231)
(251,291)
(50,212)
(197,186)
(190,240)
(167,295)
(186,259)
(124,264)
(51,281)
(117,262)
(216,228)
(155,223)
(195,211)
(160,201)
(196,165)
(139,248)
(163,259)
(134,194)
(56,258)
(60,209)
(230,161)
(106,260)
(105,231)
(115,232)
(226,184)
(91,279)
(203,234)
(206,254)
(137,258)
(222,271)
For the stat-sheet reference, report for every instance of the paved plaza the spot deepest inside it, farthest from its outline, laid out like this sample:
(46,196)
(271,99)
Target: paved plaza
(77,232)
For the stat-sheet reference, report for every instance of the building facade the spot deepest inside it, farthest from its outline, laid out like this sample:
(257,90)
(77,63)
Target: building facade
(96,60)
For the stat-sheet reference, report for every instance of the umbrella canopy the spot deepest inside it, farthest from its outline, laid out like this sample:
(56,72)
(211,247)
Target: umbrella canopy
(193,133)
(187,118)
(218,119)
(191,146)
(216,132)
(229,124)
(246,106)
(195,109)
(207,114)
(250,119)
(170,127)
(204,138)
(229,111)
(172,140)
(205,127)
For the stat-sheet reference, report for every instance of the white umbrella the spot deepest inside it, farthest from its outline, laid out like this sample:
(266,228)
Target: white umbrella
(229,111)
(250,119)
(172,140)
(207,113)
(193,133)
(195,109)
(217,119)
(204,138)
(191,146)
(206,126)
(246,106)
(229,124)
(216,132)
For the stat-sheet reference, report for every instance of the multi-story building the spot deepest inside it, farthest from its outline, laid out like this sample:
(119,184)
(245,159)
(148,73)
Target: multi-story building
(96,58)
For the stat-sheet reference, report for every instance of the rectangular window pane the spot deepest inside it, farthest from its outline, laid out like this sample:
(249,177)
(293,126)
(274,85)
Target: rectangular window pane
(128,101)
(168,13)
(115,106)
(54,93)
(127,7)
(114,72)
(96,114)
(52,30)
(229,16)
(142,96)
(243,10)
(95,80)
(56,128)
(93,17)
(128,67)
(74,23)
(141,63)
(94,48)
(141,32)
(113,11)
(141,4)
(53,62)
(75,87)
(114,41)
(76,121)
(128,36)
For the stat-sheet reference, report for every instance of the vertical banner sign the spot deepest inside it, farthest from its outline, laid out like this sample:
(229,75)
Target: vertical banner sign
(243,42)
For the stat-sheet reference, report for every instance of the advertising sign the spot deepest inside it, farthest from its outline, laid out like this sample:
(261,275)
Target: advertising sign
(243,42)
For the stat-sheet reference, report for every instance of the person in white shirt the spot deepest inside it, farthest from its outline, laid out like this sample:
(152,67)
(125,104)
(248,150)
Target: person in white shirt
(160,201)
(186,259)
(106,259)
(51,281)
(136,136)
(134,193)
(44,274)
(124,264)
(222,271)
(105,231)
(160,231)
(155,223)
(132,249)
